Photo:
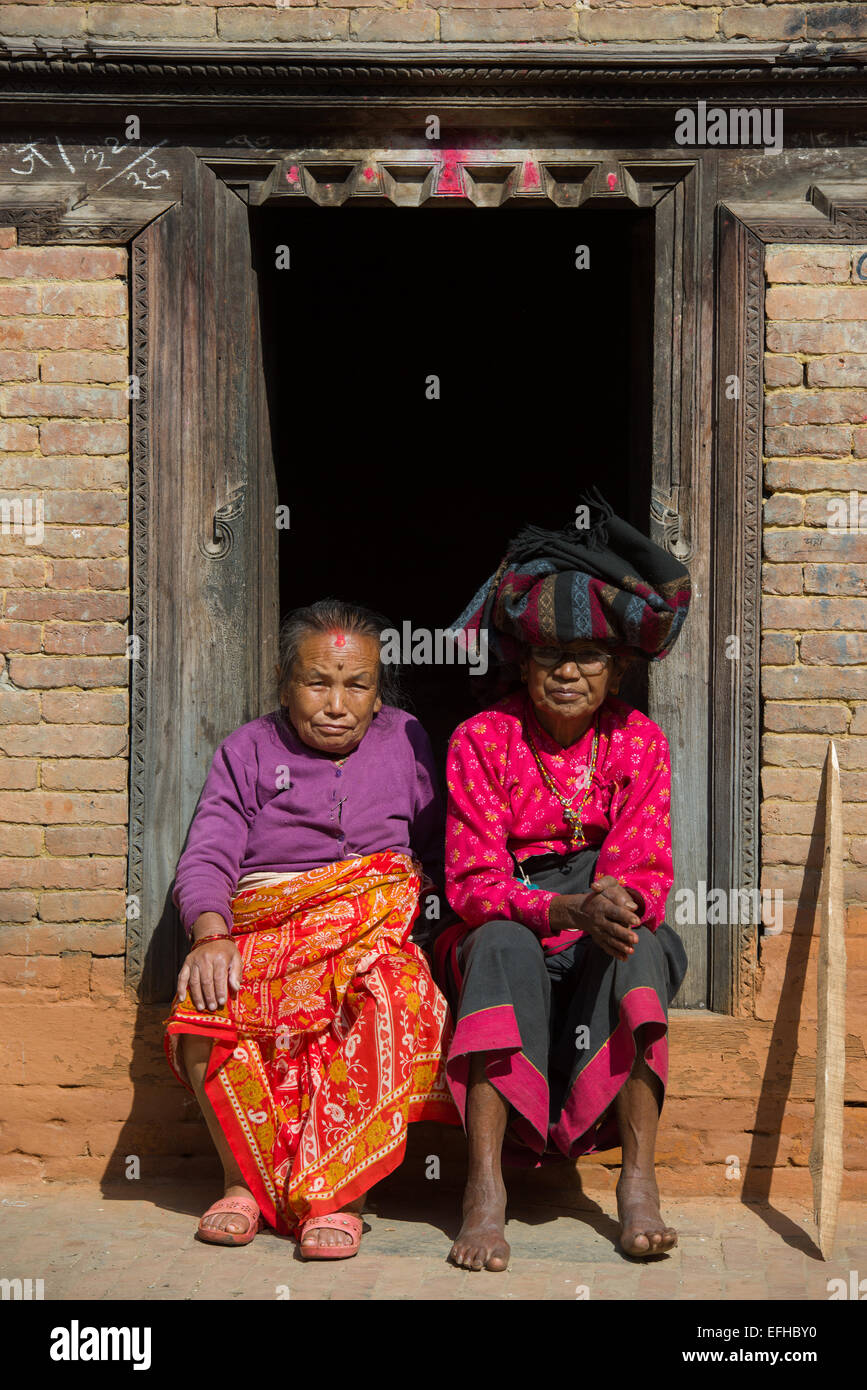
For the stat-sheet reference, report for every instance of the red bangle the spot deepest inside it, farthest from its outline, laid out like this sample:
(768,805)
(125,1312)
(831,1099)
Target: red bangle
(218,936)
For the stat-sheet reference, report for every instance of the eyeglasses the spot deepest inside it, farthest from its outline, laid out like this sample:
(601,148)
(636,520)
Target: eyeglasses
(589,663)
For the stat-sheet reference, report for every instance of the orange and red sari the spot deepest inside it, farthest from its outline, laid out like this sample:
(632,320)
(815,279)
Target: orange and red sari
(333,1044)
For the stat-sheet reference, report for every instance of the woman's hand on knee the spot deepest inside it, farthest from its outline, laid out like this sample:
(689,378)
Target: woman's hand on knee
(208,972)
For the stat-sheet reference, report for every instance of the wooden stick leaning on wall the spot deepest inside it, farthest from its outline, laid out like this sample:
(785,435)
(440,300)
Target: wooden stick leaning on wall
(826,1154)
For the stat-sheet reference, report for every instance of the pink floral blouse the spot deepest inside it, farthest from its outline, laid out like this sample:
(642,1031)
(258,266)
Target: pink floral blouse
(499,803)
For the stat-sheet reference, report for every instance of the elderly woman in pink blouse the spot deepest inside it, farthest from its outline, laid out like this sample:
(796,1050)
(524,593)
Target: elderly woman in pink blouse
(559,863)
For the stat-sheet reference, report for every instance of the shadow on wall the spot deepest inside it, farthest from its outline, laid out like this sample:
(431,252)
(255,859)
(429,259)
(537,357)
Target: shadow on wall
(781,1059)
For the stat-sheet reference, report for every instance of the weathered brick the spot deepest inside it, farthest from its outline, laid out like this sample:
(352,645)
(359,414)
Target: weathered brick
(84,639)
(84,774)
(63,263)
(88,366)
(68,402)
(778,649)
(97,508)
(802,784)
(811,407)
(22,840)
(18,366)
(59,21)
(261,23)
(782,579)
(800,336)
(38,672)
(15,907)
(783,509)
(98,299)
(68,437)
(416,25)
(28,570)
(805,265)
(836,21)
(80,541)
(815,544)
(756,22)
(846,369)
(859,720)
(45,872)
(784,371)
(816,683)
(66,840)
(810,750)
(836,511)
(18,299)
(793,849)
(815,302)
(100,707)
(814,612)
(109,573)
(834,649)
(73,907)
(643,24)
(55,333)
(20,637)
(19,706)
(14,436)
(803,818)
(801,718)
(30,972)
(74,475)
(18,774)
(57,808)
(8,237)
(29,604)
(808,439)
(812,475)
(44,939)
(107,977)
(75,741)
(149,21)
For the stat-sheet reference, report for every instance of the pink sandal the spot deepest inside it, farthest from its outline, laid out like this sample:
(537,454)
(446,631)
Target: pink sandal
(244,1206)
(340,1220)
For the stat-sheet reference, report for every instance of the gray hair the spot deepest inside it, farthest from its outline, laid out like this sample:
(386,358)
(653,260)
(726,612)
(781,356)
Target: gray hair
(328,615)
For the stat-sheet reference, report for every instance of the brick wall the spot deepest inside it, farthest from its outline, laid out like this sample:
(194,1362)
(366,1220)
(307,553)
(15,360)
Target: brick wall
(814,631)
(437,21)
(64,702)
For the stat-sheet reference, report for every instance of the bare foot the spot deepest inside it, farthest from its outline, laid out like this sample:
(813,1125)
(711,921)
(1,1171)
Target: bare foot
(481,1242)
(330,1235)
(642,1229)
(233,1221)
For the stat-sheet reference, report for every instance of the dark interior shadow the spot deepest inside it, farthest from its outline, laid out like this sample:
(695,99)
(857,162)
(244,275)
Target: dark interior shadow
(780,1061)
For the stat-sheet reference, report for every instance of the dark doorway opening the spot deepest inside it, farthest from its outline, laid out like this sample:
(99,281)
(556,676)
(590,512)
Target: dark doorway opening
(405,503)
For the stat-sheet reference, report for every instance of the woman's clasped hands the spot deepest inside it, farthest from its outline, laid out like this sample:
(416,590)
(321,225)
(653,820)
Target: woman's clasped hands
(606,914)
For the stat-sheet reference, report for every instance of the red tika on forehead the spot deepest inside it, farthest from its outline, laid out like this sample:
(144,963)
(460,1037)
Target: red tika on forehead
(339,639)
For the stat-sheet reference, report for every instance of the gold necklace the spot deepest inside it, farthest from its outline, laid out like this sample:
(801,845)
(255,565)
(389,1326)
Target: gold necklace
(572,816)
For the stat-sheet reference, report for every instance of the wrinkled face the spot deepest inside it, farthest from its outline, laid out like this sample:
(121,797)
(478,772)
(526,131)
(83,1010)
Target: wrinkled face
(558,687)
(332,693)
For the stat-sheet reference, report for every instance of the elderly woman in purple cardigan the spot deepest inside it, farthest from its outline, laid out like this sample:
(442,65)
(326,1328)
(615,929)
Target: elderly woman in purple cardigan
(306,1021)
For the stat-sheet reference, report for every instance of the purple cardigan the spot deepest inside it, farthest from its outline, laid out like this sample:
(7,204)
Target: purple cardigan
(271,803)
